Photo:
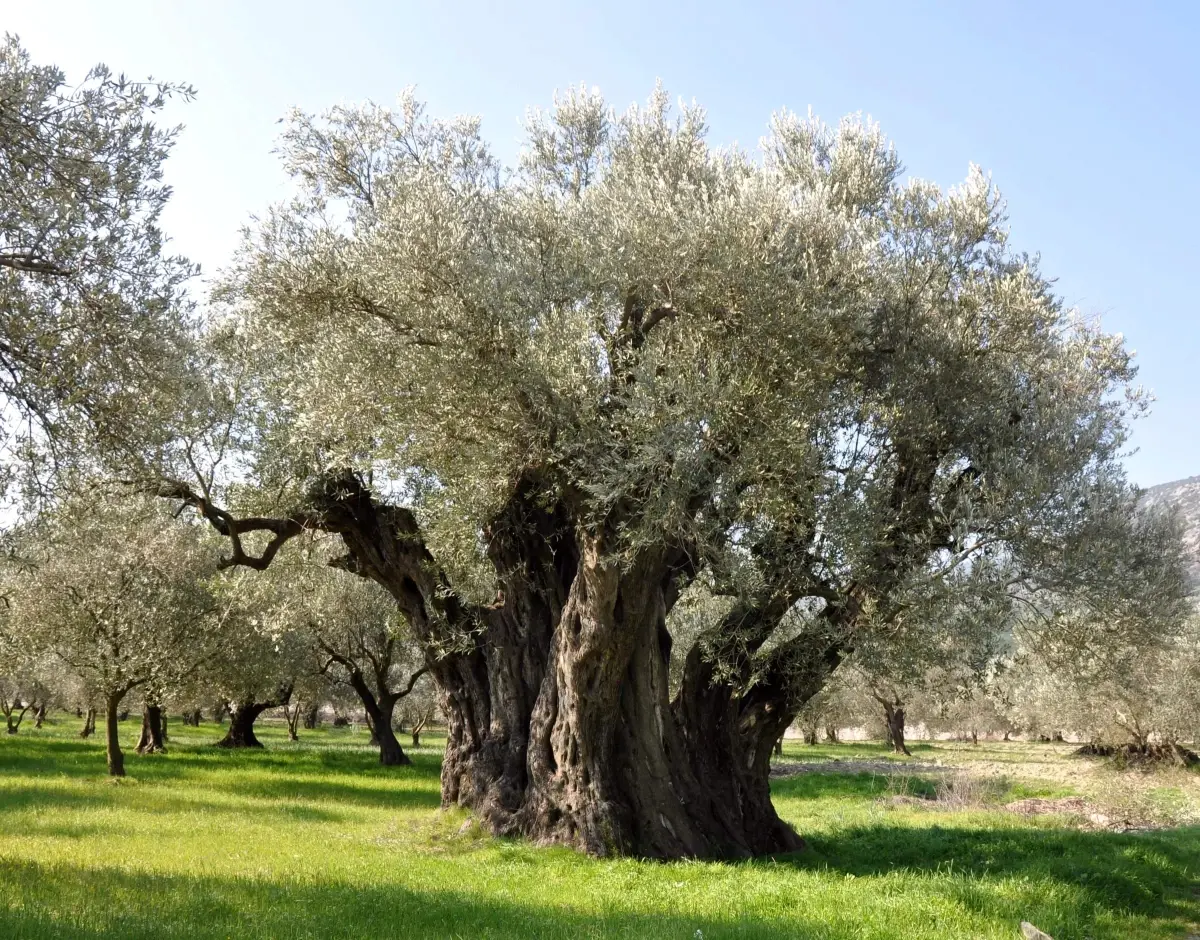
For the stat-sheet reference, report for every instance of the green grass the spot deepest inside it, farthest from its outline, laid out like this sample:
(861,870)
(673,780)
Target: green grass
(315,840)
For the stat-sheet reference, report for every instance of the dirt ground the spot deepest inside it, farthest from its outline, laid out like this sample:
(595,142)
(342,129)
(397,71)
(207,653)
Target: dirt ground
(1095,791)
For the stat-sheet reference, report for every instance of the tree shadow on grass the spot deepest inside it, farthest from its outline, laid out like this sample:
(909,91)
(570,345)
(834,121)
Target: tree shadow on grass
(41,810)
(263,774)
(72,903)
(391,795)
(1153,874)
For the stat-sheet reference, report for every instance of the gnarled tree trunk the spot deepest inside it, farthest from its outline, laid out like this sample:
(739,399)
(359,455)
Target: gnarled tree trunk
(89,724)
(312,717)
(559,722)
(242,716)
(560,726)
(153,736)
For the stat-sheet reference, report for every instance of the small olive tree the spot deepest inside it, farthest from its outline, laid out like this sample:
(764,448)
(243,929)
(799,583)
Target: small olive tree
(118,591)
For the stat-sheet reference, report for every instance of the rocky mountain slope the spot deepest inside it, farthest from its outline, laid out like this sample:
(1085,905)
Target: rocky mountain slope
(1185,494)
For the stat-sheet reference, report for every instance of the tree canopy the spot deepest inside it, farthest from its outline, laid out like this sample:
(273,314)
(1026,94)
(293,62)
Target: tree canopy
(539,402)
(642,436)
(94,319)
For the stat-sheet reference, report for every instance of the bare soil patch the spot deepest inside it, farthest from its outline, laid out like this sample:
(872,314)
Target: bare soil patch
(883,766)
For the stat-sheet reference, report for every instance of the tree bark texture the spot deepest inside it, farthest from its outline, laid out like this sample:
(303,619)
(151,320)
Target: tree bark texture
(379,709)
(242,716)
(89,724)
(560,723)
(894,715)
(153,738)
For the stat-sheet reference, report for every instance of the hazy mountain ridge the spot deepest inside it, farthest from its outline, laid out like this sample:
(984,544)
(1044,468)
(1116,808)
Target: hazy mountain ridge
(1184,494)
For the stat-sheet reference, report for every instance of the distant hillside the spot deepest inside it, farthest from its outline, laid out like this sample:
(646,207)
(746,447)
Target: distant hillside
(1184,494)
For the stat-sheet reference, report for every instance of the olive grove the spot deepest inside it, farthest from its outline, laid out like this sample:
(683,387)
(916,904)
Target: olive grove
(643,438)
(118,593)
(538,403)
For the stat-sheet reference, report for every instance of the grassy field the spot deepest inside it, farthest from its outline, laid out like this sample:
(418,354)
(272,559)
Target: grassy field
(315,840)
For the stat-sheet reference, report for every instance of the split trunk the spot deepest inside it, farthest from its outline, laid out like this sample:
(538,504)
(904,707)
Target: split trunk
(560,726)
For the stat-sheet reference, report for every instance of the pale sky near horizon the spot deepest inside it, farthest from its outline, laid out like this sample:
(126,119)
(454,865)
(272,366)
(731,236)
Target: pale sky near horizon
(1087,115)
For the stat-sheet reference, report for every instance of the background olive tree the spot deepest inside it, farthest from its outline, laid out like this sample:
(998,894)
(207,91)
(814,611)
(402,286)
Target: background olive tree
(120,593)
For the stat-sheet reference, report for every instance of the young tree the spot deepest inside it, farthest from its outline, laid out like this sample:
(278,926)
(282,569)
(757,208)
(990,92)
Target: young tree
(418,709)
(118,592)
(361,636)
(537,405)
(15,701)
(941,643)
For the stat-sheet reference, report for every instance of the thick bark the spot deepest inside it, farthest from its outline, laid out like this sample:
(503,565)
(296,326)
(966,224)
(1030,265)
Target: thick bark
(89,724)
(559,722)
(116,760)
(810,737)
(391,754)
(242,716)
(831,734)
(312,717)
(153,736)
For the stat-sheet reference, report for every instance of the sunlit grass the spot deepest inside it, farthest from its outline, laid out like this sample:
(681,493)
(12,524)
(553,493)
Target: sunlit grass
(315,840)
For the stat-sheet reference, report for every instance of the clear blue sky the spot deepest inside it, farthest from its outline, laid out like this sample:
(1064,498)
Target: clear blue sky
(1086,114)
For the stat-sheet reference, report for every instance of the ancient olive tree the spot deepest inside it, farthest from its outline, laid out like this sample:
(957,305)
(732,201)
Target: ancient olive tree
(117,592)
(94,324)
(537,404)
